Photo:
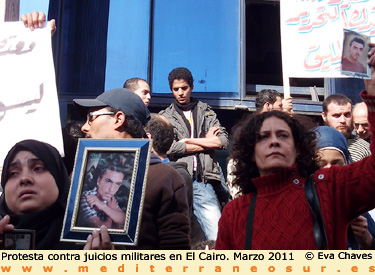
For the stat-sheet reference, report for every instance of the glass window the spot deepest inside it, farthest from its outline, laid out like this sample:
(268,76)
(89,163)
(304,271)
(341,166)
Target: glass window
(203,36)
(263,52)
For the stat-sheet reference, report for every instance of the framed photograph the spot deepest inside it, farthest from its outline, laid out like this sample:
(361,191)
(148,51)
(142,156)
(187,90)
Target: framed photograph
(108,187)
(354,55)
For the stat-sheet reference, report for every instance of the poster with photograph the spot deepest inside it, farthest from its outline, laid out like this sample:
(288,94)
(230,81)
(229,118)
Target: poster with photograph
(312,34)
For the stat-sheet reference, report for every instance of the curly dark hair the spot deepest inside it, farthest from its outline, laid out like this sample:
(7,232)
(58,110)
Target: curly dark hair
(180,73)
(246,136)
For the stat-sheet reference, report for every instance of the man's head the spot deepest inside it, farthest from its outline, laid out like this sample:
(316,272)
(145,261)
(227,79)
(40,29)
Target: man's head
(337,113)
(355,50)
(118,113)
(268,100)
(161,131)
(110,174)
(360,121)
(140,87)
(181,84)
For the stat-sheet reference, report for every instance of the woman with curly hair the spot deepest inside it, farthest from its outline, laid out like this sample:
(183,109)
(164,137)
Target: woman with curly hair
(275,157)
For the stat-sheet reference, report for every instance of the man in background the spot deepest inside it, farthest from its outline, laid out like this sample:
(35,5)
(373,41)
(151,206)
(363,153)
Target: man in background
(140,87)
(160,130)
(337,113)
(360,122)
(269,99)
(197,135)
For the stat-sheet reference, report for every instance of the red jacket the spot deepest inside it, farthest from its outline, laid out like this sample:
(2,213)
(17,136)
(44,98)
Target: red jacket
(282,217)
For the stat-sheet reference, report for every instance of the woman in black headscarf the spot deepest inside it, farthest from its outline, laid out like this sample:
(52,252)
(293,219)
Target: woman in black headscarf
(36,187)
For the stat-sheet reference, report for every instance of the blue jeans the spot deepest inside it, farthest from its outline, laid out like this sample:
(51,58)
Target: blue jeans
(206,208)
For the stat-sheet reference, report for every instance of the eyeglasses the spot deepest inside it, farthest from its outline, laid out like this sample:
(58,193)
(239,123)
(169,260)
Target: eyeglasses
(93,115)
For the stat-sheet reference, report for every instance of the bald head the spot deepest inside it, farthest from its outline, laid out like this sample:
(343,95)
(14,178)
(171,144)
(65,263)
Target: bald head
(360,122)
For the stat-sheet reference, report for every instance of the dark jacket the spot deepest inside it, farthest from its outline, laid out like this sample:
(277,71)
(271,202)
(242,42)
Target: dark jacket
(206,118)
(165,220)
(196,232)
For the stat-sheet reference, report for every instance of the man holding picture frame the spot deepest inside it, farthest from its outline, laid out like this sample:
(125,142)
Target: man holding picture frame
(118,114)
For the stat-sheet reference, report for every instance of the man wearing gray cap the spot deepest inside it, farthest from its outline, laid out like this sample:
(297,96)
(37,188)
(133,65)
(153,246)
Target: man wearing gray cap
(110,111)
(120,113)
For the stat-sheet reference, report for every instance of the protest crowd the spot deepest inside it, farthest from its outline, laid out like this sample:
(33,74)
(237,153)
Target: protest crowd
(291,184)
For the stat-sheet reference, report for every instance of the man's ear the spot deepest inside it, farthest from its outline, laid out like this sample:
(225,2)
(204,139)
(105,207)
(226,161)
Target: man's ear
(149,135)
(267,107)
(324,116)
(120,118)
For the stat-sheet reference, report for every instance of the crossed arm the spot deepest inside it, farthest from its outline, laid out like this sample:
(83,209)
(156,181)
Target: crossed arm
(112,211)
(210,141)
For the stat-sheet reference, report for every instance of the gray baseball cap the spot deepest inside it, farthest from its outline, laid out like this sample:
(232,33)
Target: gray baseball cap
(122,99)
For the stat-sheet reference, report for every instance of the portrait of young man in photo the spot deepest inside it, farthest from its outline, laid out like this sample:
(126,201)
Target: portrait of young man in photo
(104,186)
(354,54)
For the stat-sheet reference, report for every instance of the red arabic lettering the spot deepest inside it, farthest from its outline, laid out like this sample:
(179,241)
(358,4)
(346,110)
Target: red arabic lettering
(317,59)
(295,20)
(335,9)
(334,2)
(321,20)
(355,21)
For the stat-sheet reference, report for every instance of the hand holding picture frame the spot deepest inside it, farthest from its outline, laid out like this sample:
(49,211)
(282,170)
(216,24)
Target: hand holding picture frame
(108,187)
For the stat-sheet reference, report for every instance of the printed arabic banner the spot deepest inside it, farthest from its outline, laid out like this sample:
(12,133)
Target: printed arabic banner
(28,98)
(312,33)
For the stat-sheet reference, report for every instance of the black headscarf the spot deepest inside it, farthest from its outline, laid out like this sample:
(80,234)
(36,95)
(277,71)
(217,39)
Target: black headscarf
(48,222)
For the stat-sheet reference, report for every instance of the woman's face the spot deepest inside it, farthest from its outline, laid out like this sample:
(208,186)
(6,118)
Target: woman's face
(274,149)
(330,157)
(30,186)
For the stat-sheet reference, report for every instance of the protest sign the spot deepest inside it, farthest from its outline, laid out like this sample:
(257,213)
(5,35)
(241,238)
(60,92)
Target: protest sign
(28,98)
(312,34)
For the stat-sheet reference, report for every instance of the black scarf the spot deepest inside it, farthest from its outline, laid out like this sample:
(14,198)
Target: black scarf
(180,108)
(48,222)
(187,107)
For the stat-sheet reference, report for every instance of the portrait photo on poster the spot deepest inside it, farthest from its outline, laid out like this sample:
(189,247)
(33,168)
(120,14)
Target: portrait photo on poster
(354,55)
(108,186)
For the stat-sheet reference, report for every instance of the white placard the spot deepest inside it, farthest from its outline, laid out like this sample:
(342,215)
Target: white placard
(28,98)
(312,33)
